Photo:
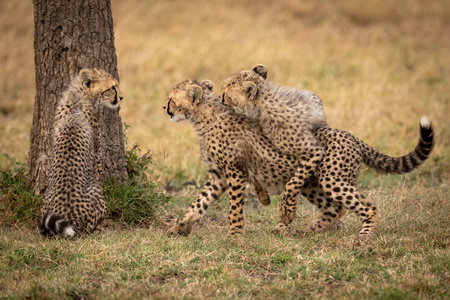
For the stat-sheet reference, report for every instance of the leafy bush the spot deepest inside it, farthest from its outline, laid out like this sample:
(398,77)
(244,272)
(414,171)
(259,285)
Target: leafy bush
(134,201)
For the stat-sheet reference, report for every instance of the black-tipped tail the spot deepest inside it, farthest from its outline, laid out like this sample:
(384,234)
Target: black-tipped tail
(406,163)
(53,224)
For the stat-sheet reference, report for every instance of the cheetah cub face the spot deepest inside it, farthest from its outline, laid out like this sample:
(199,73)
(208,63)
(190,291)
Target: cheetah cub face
(101,87)
(240,91)
(183,100)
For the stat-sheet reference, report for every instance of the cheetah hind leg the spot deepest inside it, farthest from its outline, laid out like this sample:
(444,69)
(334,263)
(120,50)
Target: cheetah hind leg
(304,172)
(94,201)
(330,218)
(331,212)
(348,196)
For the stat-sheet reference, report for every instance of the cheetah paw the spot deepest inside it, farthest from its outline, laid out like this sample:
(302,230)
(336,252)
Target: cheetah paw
(363,239)
(234,234)
(339,225)
(302,233)
(180,229)
(282,229)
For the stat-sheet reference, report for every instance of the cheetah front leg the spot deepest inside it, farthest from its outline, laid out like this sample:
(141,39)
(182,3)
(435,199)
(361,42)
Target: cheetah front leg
(213,189)
(236,180)
(288,205)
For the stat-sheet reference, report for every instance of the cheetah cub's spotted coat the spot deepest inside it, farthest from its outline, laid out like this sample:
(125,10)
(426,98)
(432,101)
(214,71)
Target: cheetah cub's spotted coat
(288,117)
(74,203)
(280,115)
(234,150)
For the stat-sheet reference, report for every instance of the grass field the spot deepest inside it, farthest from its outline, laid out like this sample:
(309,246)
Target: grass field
(378,66)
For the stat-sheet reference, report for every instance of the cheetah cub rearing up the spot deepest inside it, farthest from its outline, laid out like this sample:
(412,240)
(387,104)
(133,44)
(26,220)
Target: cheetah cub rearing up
(74,203)
(288,117)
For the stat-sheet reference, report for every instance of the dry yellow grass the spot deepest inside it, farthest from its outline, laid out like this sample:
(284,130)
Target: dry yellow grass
(17,85)
(378,66)
(377,73)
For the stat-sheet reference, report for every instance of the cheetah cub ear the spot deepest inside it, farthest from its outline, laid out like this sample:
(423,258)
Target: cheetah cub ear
(195,92)
(86,76)
(251,89)
(208,84)
(261,70)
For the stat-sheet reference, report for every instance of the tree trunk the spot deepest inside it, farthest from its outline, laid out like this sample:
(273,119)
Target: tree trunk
(69,36)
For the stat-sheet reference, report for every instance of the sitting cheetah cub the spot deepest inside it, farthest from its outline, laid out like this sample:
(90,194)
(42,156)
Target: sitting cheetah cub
(74,203)
(273,108)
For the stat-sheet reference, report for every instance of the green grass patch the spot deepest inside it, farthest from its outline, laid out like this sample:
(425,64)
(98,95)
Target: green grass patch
(17,202)
(406,259)
(131,202)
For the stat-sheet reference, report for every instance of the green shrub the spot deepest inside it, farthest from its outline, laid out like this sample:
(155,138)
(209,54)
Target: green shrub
(17,201)
(134,201)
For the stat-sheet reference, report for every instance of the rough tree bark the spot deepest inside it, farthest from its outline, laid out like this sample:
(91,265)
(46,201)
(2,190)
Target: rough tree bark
(71,35)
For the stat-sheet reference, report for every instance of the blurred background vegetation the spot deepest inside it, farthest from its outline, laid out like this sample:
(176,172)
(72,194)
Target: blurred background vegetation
(378,66)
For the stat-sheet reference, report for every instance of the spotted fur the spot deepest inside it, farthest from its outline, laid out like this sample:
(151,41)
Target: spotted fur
(74,203)
(235,152)
(288,117)
(280,113)
(338,172)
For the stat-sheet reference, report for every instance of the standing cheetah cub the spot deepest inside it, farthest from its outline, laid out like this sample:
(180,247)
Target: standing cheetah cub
(288,117)
(74,203)
(234,150)
(272,107)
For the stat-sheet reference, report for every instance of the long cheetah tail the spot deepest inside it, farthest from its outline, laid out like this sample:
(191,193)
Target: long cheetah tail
(53,224)
(406,163)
